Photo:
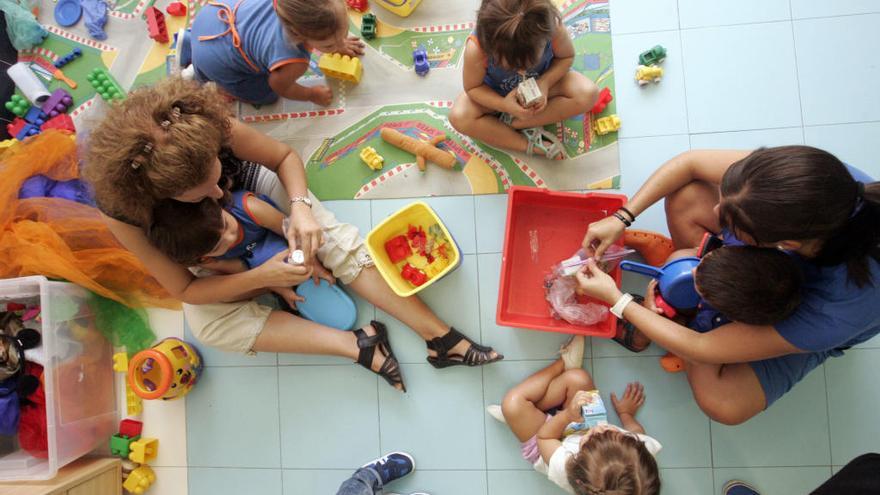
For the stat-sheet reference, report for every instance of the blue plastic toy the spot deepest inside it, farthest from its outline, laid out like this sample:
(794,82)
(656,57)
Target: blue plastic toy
(95,12)
(61,62)
(676,280)
(68,12)
(420,61)
(326,304)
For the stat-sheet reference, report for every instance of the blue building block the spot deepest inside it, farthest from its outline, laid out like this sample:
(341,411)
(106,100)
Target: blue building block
(35,116)
(27,131)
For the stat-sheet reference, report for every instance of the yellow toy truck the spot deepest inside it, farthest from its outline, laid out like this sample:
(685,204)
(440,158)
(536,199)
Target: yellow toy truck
(371,158)
(647,74)
(607,124)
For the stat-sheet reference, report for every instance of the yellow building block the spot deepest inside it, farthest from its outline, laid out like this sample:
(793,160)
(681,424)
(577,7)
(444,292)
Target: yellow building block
(140,480)
(341,66)
(120,362)
(437,266)
(144,450)
(402,8)
(134,405)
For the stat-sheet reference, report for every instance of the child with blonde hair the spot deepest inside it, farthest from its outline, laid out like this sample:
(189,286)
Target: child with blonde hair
(582,453)
(256,50)
(515,40)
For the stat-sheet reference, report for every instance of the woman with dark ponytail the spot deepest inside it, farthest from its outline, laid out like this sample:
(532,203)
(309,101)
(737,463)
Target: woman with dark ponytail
(796,198)
(515,40)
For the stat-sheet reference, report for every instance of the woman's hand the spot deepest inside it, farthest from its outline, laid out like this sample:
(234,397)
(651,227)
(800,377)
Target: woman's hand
(277,272)
(351,46)
(632,400)
(651,297)
(602,234)
(304,232)
(592,281)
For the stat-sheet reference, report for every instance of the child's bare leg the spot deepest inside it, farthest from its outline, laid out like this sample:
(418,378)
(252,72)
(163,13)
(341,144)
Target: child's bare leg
(472,119)
(553,386)
(574,94)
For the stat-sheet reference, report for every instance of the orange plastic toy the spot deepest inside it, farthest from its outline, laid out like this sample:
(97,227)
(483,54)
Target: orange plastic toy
(166,371)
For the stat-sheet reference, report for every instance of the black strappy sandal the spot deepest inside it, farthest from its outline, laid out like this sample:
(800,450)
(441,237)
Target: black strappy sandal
(368,344)
(629,331)
(476,355)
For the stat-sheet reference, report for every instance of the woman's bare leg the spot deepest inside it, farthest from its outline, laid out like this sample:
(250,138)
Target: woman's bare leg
(574,94)
(729,394)
(690,213)
(414,313)
(524,405)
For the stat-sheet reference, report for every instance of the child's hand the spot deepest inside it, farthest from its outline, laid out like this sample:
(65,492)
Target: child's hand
(650,297)
(542,103)
(580,399)
(289,295)
(512,106)
(321,95)
(592,281)
(320,272)
(352,46)
(632,400)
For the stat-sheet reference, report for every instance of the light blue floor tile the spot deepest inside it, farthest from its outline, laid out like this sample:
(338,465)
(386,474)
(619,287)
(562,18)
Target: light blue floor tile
(670,414)
(802,415)
(491,210)
(748,140)
(441,482)
(215,357)
(439,421)
(856,144)
(329,416)
(319,481)
(529,482)
(355,212)
(366,313)
(654,109)
(775,481)
(636,16)
(822,8)
(686,481)
(696,13)
(456,212)
(232,419)
(849,94)
(854,398)
(453,299)
(502,447)
(741,77)
(514,343)
(639,158)
(231,481)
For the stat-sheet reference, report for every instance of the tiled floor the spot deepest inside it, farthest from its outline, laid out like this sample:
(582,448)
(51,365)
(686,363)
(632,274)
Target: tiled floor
(739,74)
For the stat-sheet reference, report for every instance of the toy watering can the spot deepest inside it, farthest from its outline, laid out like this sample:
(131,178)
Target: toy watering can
(676,280)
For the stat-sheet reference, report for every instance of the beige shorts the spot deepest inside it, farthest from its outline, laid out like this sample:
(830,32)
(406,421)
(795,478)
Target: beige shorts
(235,326)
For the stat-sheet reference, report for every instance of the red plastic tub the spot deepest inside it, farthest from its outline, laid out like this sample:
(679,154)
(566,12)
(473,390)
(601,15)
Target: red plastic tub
(558,221)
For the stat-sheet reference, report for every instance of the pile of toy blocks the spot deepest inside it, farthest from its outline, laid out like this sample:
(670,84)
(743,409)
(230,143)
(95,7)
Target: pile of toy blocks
(425,254)
(30,119)
(128,444)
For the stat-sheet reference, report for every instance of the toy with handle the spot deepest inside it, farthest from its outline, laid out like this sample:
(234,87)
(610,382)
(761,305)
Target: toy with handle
(422,150)
(676,280)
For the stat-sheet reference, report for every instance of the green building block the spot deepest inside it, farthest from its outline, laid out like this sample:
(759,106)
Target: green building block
(120,445)
(653,56)
(18,105)
(368,26)
(105,85)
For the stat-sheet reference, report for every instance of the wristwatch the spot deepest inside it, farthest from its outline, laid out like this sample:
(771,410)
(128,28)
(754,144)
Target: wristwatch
(301,199)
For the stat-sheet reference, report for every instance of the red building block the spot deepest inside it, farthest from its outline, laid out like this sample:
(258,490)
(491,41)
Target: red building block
(130,428)
(397,248)
(16,126)
(176,9)
(603,101)
(359,5)
(156,25)
(413,274)
(62,122)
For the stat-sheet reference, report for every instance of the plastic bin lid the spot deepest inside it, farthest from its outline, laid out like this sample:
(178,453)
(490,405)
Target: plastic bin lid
(67,12)
(326,304)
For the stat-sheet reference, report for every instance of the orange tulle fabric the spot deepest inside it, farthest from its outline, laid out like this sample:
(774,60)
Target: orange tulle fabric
(62,239)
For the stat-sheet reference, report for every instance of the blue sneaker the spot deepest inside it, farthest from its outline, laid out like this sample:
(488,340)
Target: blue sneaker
(392,466)
(736,487)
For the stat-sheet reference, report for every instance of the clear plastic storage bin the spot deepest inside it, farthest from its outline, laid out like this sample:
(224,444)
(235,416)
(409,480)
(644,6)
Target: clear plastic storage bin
(77,377)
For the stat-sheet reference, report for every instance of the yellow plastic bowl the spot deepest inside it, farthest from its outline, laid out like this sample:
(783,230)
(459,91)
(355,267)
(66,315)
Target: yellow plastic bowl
(417,214)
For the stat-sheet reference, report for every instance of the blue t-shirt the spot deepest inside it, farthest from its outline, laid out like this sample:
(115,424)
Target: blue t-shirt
(263,42)
(503,80)
(833,313)
(256,244)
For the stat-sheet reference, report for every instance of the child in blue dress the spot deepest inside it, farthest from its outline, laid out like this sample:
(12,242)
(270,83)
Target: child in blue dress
(515,40)
(257,49)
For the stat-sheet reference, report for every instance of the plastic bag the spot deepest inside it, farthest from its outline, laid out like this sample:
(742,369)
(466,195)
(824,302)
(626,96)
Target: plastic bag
(23,29)
(560,288)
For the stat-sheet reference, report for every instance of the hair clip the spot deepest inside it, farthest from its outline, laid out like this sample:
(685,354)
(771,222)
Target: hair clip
(164,124)
(175,112)
(148,148)
(135,164)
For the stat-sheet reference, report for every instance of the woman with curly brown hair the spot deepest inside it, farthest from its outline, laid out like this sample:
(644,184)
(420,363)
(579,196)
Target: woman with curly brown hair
(176,141)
